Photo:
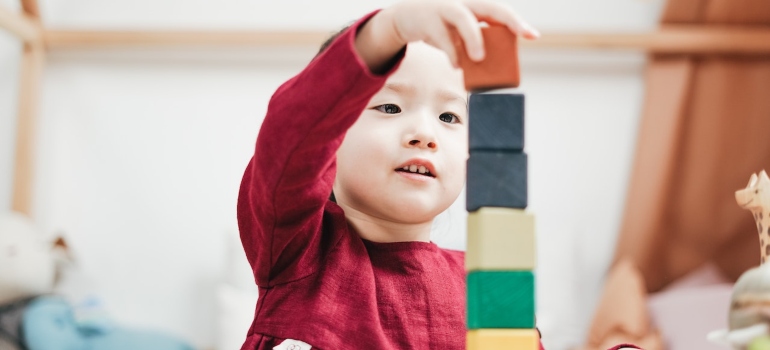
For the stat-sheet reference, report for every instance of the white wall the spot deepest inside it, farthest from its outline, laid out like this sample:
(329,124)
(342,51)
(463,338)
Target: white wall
(141,153)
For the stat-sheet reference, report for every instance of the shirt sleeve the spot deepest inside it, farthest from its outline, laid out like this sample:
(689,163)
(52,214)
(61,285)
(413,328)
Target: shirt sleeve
(288,181)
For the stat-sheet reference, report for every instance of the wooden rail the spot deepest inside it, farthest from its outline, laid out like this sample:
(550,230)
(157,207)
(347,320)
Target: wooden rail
(55,39)
(673,39)
(670,39)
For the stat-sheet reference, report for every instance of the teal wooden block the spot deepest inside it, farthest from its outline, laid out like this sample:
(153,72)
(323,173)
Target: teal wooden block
(501,299)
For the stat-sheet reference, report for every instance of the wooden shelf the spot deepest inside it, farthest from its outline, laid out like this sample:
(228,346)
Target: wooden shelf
(680,39)
(101,39)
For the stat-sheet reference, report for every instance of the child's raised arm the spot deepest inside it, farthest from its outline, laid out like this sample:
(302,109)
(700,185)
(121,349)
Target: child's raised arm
(287,183)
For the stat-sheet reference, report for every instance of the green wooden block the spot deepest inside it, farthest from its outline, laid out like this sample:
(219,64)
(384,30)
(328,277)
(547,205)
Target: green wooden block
(501,299)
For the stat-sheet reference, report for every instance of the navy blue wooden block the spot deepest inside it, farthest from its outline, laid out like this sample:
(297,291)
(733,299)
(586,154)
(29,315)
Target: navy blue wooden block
(496,179)
(496,122)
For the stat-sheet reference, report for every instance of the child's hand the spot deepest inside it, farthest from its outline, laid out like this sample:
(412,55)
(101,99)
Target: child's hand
(432,21)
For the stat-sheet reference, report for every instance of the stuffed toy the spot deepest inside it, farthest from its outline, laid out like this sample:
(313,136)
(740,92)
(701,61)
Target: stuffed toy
(33,319)
(29,264)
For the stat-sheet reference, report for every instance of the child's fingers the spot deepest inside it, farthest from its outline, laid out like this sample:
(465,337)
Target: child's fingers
(503,15)
(444,42)
(467,25)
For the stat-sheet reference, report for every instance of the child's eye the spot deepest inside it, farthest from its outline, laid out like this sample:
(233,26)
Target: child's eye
(388,108)
(449,118)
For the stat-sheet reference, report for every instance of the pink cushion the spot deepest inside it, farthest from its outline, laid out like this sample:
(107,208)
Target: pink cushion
(689,309)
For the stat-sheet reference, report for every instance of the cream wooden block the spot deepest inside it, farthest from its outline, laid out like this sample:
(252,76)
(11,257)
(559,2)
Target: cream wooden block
(503,339)
(500,239)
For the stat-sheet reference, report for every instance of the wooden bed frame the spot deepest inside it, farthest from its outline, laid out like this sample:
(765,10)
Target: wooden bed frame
(679,39)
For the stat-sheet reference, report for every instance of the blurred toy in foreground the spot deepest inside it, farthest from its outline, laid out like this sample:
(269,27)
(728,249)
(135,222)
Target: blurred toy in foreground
(32,319)
(749,317)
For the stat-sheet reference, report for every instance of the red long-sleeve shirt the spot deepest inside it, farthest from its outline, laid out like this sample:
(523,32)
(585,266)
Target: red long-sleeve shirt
(319,281)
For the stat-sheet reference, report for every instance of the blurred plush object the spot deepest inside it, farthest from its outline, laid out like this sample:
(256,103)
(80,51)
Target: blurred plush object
(750,304)
(50,324)
(28,261)
(622,315)
(30,319)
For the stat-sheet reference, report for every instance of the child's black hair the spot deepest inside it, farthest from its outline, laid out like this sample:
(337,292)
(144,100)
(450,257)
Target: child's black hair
(331,39)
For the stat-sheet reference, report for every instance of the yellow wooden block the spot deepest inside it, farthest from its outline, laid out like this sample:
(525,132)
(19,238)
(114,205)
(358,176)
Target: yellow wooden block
(500,239)
(503,339)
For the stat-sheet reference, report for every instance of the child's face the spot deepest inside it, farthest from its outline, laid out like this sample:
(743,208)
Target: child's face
(419,118)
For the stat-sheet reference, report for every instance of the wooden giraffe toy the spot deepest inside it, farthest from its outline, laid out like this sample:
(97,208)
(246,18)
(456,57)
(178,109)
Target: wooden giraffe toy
(756,198)
(749,316)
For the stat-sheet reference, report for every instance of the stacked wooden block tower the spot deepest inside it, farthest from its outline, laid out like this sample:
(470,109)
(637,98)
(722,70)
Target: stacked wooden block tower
(500,257)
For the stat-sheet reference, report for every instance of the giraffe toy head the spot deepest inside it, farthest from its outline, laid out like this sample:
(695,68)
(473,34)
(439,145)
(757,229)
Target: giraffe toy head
(756,196)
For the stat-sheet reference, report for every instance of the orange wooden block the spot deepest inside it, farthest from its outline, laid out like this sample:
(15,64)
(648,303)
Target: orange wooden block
(500,67)
(503,339)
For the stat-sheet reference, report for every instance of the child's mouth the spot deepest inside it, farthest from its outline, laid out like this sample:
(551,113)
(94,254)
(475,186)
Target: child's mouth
(417,170)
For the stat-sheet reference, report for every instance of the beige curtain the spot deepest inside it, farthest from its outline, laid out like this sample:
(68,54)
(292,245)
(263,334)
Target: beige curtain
(705,129)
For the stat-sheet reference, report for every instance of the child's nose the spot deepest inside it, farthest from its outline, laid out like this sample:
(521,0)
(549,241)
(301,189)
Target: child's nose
(429,144)
(420,131)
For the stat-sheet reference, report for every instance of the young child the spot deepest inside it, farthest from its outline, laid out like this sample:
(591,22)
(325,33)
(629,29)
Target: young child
(381,126)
